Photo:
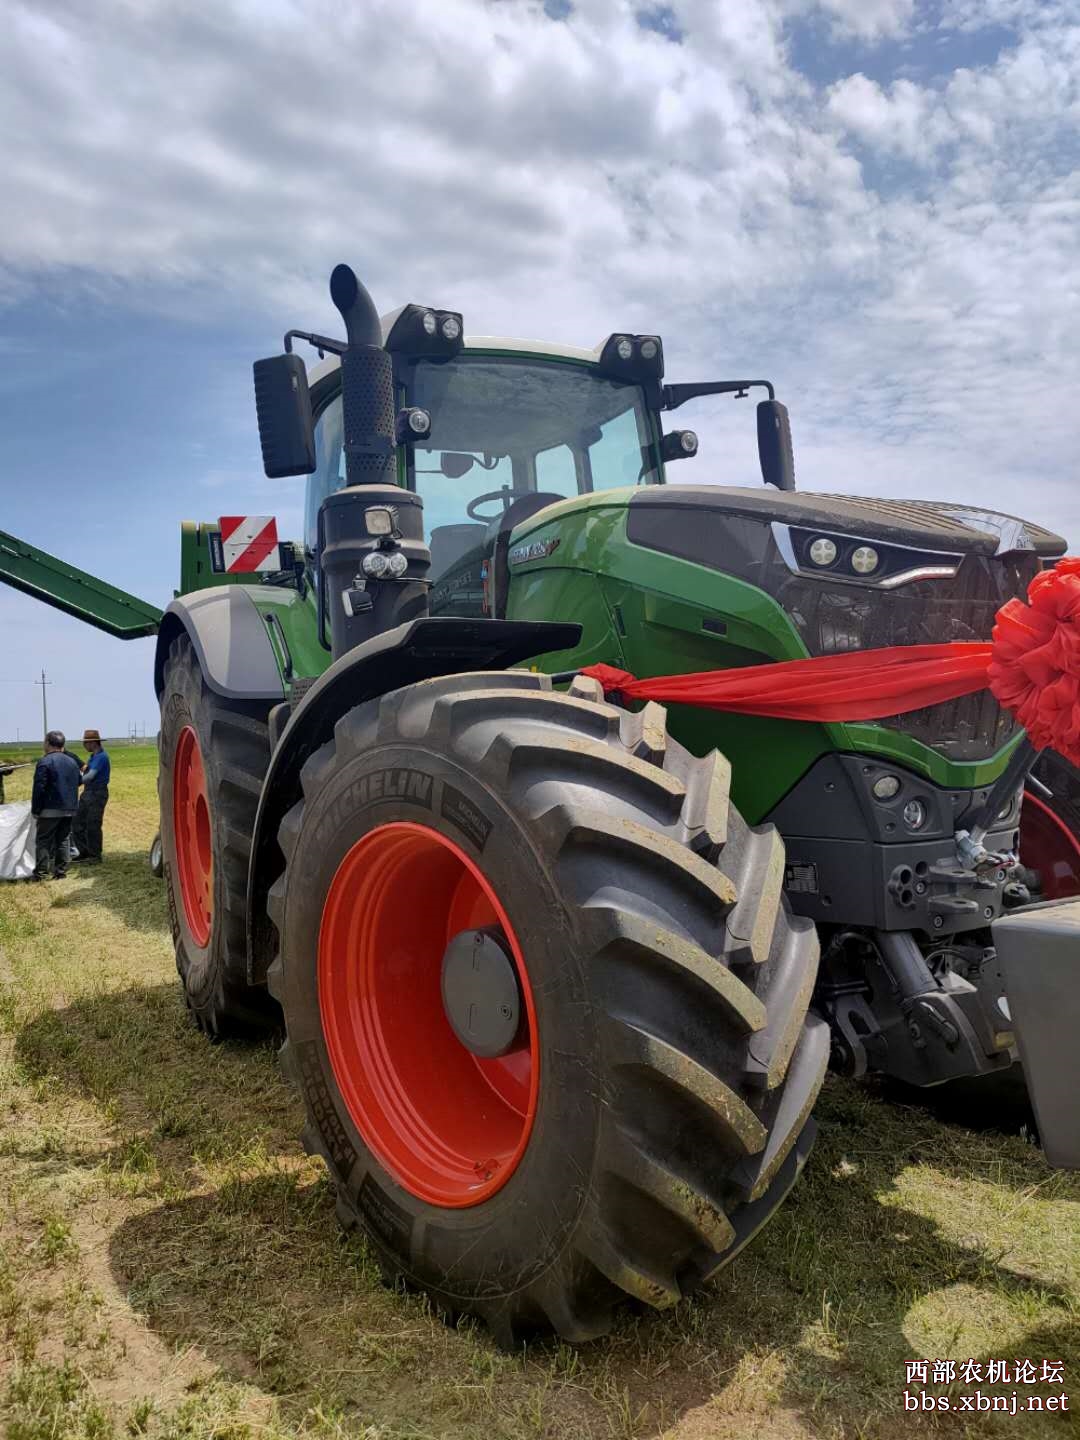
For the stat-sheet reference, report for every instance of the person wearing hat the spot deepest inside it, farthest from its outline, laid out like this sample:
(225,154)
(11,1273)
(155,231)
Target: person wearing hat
(86,832)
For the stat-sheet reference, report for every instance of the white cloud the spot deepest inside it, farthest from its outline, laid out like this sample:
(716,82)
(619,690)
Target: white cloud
(902,258)
(870,19)
(899,119)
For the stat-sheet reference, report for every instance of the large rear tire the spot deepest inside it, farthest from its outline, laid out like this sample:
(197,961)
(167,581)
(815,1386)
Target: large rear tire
(654,1105)
(214,754)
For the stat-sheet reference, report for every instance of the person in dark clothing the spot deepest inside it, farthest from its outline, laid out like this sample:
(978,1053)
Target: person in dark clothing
(52,803)
(95,796)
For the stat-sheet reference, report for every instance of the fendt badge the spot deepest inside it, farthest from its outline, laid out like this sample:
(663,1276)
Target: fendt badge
(538,550)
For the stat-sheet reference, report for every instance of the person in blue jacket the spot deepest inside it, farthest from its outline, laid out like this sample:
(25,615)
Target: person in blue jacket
(95,796)
(52,803)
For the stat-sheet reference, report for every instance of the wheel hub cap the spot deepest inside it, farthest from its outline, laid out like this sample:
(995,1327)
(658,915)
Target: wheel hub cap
(480,992)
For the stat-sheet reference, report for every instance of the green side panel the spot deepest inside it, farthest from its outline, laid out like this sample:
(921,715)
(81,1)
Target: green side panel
(43,576)
(655,614)
(297,619)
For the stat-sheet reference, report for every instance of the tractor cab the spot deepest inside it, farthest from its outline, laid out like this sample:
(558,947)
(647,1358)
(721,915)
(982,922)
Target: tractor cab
(491,431)
(510,429)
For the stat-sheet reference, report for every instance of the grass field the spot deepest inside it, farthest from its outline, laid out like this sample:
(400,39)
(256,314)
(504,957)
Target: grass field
(171,1267)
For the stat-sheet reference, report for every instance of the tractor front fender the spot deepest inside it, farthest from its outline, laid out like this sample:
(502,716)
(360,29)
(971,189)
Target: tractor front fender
(418,650)
(230,639)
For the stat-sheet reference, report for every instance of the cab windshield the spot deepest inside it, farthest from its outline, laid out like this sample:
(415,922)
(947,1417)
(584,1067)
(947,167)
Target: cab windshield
(503,427)
(508,426)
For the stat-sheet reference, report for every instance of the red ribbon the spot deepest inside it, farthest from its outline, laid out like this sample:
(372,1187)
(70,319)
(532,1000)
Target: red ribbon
(1032,666)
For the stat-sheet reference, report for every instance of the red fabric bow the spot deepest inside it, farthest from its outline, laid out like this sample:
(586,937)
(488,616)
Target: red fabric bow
(1032,666)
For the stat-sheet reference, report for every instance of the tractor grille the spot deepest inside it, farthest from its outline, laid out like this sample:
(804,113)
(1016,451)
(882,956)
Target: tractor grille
(929,612)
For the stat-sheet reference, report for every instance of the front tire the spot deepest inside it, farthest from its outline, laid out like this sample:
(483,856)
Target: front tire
(654,1105)
(214,754)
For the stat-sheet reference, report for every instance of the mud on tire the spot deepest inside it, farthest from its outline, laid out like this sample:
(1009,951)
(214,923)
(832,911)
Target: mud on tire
(235,748)
(677,1062)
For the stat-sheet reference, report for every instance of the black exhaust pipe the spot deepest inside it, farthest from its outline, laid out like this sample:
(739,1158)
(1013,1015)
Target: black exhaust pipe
(363,597)
(367,386)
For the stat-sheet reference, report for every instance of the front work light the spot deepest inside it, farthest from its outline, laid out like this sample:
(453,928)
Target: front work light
(399,563)
(864,560)
(379,520)
(376,563)
(632,358)
(823,550)
(422,332)
(914,813)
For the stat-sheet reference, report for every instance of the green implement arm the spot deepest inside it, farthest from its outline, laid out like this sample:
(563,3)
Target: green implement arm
(43,576)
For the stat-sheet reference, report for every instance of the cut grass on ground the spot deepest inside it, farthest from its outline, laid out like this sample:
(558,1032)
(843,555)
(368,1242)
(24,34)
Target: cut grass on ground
(170,1265)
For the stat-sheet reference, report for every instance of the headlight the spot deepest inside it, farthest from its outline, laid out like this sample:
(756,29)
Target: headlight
(375,564)
(688,442)
(914,813)
(379,520)
(886,787)
(822,550)
(864,560)
(624,349)
(429,322)
(399,563)
(451,329)
(649,349)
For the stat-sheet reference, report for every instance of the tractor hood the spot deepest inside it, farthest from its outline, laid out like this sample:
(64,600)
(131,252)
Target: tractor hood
(681,514)
(890,572)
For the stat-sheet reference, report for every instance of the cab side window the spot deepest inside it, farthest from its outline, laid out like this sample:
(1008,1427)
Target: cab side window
(556,471)
(329,473)
(616,458)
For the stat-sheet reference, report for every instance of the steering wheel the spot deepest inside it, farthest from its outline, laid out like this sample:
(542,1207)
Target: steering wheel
(506,495)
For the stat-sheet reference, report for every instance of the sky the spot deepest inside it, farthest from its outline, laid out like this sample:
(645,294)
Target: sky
(875,203)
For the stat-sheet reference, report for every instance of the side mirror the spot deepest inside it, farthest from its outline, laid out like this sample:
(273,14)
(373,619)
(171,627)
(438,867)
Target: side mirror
(453,466)
(283,406)
(774,445)
(678,445)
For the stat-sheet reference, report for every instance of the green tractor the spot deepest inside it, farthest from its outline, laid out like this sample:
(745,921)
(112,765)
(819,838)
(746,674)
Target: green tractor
(558,1002)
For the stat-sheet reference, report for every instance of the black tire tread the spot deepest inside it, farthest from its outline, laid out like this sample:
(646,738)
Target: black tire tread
(225,1004)
(710,1088)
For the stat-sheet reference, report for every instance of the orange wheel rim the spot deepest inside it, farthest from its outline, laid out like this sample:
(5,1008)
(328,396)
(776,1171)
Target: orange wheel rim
(450,1126)
(1050,847)
(191,827)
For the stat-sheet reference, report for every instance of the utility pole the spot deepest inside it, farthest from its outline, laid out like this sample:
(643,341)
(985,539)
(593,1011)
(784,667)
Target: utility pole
(44,707)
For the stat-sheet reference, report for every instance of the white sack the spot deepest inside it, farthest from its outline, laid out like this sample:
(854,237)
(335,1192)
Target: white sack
(18,834)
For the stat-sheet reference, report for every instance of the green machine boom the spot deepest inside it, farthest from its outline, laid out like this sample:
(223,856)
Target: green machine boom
(43,577)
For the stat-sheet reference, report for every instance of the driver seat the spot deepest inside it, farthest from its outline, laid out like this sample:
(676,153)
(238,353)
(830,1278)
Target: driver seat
(499,537)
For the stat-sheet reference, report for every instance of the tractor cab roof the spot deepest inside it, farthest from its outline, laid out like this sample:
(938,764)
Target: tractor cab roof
(512,345)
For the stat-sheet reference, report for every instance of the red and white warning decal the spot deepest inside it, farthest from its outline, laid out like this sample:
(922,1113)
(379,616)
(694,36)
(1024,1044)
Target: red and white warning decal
(249,542)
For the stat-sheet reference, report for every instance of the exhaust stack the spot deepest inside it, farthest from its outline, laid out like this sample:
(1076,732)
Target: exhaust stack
(373,524)
(367,386)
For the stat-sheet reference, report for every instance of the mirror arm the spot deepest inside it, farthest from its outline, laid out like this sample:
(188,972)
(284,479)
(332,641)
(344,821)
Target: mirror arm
(321,342)
(676,395)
